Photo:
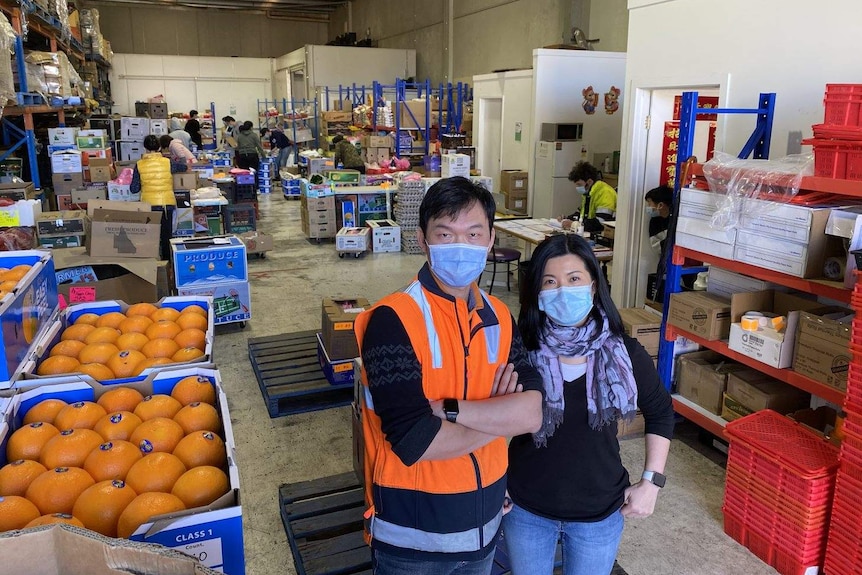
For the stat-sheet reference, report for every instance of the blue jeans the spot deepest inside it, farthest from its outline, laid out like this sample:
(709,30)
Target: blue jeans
(588,548)
(387,564)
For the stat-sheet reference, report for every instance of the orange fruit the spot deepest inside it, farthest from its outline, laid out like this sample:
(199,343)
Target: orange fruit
(153,361)
(70,448)
(79,415)
(192,337)
(57,365)
(158,405)
(16,512)
(132,340)
(194,308)
(17,476)
(111,319)
(111,460)
(97,352)
(135,324)
(103,335)
(144,507)
(165,313)
(155,472)
(99,507)
(198,416)
(120,399)
(44,411)
(141,309)
(54,518)
(187,354)
(189,320)
(29,441)
(163,329)
(201,486)
(56,490)
(157,434)
(125,362)
(88,319)
(160,348)
(194,388)
(201,448)
(117,425)
(78,331)
(16,273)
(8,285)
(97,371)
(69,348)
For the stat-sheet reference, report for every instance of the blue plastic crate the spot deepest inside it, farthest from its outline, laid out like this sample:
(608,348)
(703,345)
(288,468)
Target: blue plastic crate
(244,179)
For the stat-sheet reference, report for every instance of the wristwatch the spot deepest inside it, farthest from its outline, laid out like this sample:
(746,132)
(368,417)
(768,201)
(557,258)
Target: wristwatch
(450,408)
(653,477)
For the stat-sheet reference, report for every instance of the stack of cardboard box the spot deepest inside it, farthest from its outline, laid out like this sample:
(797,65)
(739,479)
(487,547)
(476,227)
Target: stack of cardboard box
(318,211)
(132,131)
(514,186)
(377,149)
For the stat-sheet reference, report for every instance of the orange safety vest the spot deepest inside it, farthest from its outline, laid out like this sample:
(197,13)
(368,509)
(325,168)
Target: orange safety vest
(157,182)
(444,506)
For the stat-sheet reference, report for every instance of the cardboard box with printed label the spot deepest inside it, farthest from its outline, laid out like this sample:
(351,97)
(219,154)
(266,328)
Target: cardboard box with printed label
(376,142)
(78,276)
(157,110)
(257,242)
(103,153)
(134,129)
(349,239)
(756,391)
(699,313)
(62,224)
(158,127)
(516,202)
(731,409)
(644,326)
(121,233)
(822,346)
(703,378)
(319,231)
(91,142)
(513,181)
(122,193)
(697,235)
(337,372)
(231,300)
(65,183)
(338,316)
(67,162)
(62,136)
(452,165)
(18,191)
(334,116)
(100,170)
(385,236)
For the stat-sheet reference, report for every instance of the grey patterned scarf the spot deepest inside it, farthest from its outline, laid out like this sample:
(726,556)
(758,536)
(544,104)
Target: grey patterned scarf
(611,389)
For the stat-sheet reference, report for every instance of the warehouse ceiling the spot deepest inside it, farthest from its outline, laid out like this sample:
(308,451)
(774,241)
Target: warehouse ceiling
(275,8)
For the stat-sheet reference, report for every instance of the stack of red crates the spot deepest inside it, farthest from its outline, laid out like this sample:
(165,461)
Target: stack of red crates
(838,140)
(778,495)
(844,549)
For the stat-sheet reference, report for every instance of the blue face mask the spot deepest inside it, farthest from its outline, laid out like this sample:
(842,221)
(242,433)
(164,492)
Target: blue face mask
(580,190)
(567,306)
(457,265)
(651,211)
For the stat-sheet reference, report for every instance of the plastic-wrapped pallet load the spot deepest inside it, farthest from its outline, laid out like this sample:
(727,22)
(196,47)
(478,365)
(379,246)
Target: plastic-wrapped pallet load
(7,46)
(48,73)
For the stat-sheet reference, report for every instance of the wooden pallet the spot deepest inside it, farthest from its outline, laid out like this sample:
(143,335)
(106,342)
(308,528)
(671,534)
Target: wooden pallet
(289,375)
(323,520)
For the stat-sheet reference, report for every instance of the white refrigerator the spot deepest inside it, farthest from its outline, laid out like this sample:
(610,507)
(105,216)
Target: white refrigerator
(553,194)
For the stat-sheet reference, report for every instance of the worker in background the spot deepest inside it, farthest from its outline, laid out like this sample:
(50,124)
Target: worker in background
(600,199)
(193,127)
(278,141)
(659,204)
(177,133)
(153,179)
(346,155)
(176,151)
(228,135)
(248,149)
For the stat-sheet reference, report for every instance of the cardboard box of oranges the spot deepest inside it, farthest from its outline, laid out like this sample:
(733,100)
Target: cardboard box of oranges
(151,461)
(28,301)
(111,340)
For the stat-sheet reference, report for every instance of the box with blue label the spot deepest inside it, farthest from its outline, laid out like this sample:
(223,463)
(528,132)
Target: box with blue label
(291,187)
(315,190)
(26,309)
(338,372)
(231,301)
(202,261)
(213,532)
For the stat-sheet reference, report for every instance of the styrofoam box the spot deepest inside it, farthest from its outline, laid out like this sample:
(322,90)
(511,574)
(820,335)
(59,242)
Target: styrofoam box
(135,129)
(231,301)
(202,261)
(213,534)
(352,239)
(68,316)
(131,151)
(67,162)
(62,136)
(158,127)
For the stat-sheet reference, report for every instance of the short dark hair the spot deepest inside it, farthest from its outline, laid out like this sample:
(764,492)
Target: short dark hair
(263,131)
(530,318)
(165,141)
(151,143)
(451,196)
(193,113)
(585,171)
(246,126)
(660,195)
(227,119)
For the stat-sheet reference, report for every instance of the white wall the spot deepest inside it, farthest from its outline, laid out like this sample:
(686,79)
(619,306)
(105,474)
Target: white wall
(516,91)
(609,20)
(187,82)
(745,48)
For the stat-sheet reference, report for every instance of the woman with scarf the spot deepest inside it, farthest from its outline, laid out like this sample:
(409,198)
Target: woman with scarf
(567,480)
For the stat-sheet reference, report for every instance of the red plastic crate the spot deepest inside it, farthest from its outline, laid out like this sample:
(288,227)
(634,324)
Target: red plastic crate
(836,132)
(810,492)
(807,503)
(747,493)
(843,104)
(839,159)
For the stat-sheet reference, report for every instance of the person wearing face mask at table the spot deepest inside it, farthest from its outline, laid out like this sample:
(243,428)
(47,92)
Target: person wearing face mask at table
(446,380)
(567,479)
(599,201)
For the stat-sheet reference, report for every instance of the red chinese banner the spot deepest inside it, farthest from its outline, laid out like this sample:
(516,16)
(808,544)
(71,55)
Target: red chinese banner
(702,102)
(670,147)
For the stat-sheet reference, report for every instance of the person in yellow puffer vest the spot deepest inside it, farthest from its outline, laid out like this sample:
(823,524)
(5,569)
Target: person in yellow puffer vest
(153,179)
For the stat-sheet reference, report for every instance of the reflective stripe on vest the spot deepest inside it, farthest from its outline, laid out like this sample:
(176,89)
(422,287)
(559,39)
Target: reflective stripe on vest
(492,333)
(369,403)
(409,538)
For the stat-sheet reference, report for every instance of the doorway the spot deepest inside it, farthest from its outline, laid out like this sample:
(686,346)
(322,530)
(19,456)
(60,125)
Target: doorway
(297,84)
(491,138)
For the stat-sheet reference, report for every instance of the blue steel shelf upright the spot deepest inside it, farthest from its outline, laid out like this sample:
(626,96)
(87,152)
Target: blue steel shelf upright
(757,147)
(397,94)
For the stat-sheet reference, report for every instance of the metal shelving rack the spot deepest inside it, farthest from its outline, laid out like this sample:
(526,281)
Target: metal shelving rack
(293,120)
(398,95)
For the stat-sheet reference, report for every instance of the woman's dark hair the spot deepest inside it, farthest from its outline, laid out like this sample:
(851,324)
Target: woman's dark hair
(245,126)
(450,196)
(193,113)
(585,171)
(227,119)
(263,132)
(337,138)
(661,195)
(151,143)
(165,141)
(530,318)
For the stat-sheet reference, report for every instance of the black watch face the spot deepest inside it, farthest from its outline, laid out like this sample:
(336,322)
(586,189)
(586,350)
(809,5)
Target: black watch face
(659,479)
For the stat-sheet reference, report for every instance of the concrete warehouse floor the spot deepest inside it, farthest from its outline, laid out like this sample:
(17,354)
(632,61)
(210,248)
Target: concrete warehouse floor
(684,536)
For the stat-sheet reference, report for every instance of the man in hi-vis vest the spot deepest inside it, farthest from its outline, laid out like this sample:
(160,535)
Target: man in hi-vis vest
(446,380)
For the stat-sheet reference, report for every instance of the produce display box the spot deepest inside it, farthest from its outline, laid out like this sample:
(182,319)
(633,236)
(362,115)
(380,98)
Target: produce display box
(26,311)
(68,316)
(231,301)
(201,261)
(212,533)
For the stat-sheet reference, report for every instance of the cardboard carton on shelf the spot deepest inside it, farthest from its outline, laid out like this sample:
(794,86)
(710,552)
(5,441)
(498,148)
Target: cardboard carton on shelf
(757,391)
(699,313)
(703,378)
(822,349)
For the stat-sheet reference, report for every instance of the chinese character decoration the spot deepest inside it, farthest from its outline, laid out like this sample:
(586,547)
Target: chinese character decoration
(612,100)
(591,100)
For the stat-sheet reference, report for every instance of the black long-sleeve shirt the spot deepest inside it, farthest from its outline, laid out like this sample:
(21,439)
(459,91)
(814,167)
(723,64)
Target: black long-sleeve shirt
(578,475)
(193,127)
